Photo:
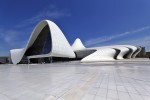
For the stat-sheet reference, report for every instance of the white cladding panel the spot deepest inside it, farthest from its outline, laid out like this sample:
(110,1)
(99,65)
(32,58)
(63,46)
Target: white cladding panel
(60,45)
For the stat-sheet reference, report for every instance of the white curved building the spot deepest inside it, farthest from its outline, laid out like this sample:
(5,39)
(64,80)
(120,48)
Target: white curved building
(47,40)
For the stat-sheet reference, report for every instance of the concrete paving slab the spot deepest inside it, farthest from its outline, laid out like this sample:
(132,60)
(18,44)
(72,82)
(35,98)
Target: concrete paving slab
(123,80)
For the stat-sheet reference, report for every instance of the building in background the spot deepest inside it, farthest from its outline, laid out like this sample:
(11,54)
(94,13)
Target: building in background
(4,59)
(142,53)
(148,54)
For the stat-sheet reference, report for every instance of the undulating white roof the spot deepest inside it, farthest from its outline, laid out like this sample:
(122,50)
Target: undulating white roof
(60,47)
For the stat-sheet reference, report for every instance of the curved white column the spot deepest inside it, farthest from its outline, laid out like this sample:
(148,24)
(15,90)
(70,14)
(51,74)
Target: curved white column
(123,51)
(130,53)
(60,45)
(137,52)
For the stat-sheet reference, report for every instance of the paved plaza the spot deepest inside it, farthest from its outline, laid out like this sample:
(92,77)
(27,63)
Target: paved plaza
(118,80)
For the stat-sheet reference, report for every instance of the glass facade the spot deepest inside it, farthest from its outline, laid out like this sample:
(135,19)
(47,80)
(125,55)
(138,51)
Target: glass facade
(42,44)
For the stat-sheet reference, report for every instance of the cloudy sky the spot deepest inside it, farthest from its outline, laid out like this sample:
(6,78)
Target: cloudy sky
(95,22)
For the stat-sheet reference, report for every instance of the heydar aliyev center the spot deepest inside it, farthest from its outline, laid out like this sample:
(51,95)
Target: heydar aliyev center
(47,43)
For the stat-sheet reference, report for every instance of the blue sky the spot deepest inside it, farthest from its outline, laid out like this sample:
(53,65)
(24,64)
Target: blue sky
(95,22)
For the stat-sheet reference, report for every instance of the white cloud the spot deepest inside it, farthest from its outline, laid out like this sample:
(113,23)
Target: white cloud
(10,39)
(13,38)
(99,40)
(142,41)
(52,12)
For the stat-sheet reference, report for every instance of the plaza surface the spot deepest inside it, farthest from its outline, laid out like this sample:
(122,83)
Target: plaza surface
(118,80)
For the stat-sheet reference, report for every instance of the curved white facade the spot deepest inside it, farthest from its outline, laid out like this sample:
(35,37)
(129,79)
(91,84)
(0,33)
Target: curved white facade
(77,45)
(136,52)
(126,51)
(103,54)
(132,48)
(16,55)
(123,51)
(60,45)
